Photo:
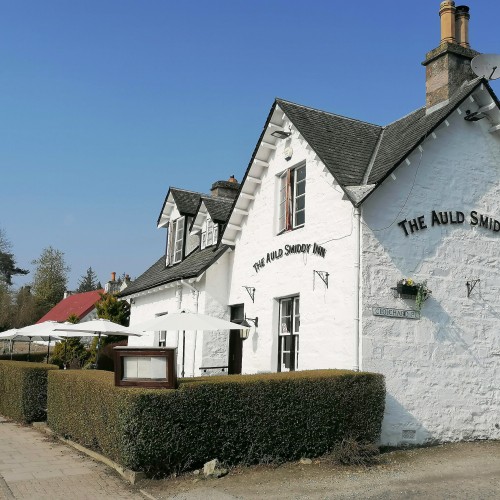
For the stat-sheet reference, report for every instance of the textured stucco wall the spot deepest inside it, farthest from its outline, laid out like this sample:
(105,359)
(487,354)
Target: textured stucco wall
(443,377)
(327,315)
(173,299)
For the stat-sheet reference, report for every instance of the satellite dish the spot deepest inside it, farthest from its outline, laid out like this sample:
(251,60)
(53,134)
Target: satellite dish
(486,65)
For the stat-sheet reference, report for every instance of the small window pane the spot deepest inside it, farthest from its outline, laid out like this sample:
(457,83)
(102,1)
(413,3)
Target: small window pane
(286,359)
(300,204)
(300,218)
(300,173)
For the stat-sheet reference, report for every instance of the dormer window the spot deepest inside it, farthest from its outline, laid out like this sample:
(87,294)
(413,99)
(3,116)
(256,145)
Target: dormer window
(292,199)
(209,233)
(176,241)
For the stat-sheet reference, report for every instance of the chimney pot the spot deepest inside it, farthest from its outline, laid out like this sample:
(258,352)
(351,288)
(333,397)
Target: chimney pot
(113,276)
(447,13)
(462,17)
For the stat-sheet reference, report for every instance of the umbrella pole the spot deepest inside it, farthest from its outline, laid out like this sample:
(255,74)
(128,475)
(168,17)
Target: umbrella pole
(11,348)
(183,351)
(97,350)
(48,350)
(29,348)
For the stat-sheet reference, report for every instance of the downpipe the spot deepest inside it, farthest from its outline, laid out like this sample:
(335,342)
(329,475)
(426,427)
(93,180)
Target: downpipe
(357,291)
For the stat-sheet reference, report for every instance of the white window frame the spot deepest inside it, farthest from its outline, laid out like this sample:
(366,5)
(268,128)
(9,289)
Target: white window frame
(291,192)
(291,337)
(209,233)
(178,239)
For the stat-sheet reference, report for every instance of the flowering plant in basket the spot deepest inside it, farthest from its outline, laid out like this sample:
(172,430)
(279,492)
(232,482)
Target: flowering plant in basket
(406,286)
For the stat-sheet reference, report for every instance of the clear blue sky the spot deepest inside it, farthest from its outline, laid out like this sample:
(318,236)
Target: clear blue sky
(106,103)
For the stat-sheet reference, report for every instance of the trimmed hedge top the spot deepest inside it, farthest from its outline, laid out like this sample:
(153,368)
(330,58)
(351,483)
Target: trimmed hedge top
(23,390)
(237,419)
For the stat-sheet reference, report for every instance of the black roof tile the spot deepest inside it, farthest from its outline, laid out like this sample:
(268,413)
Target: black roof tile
(404,135)
(191,267)
(218,208)
(343,144)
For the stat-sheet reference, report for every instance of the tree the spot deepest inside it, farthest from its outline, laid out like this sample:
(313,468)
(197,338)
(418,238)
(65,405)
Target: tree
(8,266)
(5,308)
(25,309)
(70,349)
(88,282)
(109,307)
(50,278)
(118,311)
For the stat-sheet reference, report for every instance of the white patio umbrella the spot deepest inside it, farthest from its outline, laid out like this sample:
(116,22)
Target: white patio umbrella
(39,332)
(7,337)
(186,321)
(95,327)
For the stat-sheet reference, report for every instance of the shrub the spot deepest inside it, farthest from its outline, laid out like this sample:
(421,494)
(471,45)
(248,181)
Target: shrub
(23,390)
(35,357)
(68,350)
(237,419)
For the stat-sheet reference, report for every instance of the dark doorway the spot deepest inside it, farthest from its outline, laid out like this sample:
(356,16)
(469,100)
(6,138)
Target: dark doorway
(235,340)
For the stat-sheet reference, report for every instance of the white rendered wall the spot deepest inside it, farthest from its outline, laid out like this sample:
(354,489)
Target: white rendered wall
(327,315)
(216,343)
(174,299)
(443,378)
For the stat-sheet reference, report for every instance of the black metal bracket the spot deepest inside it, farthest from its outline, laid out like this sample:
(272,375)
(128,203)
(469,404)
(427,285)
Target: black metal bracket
(470,286)
(323,275)
(251,291)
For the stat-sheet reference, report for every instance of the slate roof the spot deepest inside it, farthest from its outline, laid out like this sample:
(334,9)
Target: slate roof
(218,208)
(360,154)
(343,144)
(191,267)
(402,136)
(79,304)
(187,201)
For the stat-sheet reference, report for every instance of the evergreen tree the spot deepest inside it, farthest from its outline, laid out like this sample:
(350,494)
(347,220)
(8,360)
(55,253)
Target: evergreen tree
(50,278)
(110,307)
(88,282)
(8,266)
(118,311)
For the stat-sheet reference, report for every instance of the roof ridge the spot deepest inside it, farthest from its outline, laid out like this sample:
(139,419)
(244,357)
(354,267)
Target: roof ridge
(403,117)
(188,191)
(278,100)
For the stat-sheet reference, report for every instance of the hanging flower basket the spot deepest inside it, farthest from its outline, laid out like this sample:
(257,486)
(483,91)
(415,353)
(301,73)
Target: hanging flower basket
(409,289)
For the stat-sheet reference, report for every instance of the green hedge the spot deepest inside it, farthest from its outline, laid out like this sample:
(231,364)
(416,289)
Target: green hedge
(237,419)
(35,357)
(23,390)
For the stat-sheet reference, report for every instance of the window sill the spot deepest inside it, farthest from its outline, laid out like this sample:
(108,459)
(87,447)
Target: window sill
(286,231)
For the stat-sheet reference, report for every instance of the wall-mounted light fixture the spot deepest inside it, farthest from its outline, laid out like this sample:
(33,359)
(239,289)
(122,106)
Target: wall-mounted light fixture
(244,334)
(473,117)
(281,134)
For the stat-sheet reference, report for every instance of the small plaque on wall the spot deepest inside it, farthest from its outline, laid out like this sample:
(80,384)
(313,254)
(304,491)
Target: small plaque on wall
(389,312)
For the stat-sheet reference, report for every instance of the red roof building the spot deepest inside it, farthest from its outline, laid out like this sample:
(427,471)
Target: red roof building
(80,304)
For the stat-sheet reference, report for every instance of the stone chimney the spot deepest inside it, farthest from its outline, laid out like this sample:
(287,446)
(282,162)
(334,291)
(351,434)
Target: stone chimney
(447,67)
(225,189)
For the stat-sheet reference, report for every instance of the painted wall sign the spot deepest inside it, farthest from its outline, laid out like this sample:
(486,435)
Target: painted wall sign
(449,217)
(389,312)
(314,248)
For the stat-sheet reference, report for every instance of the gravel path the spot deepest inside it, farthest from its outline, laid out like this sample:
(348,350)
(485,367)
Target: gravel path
(453,471)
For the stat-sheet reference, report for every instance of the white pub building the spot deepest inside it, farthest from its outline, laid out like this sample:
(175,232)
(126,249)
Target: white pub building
(354,246)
